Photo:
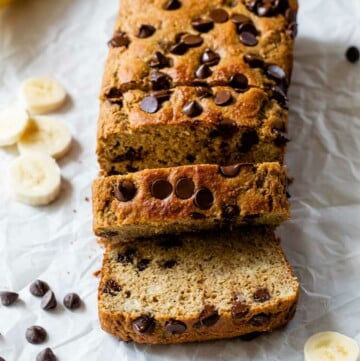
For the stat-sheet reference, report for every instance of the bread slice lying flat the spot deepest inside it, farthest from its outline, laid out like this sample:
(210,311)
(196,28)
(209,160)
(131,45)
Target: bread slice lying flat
(196,287)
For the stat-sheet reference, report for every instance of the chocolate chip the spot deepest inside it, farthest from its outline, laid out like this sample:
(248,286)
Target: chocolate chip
(281,138)
(252,5)
(35,335)
(210,58)
(46,355)
(143,264)
(169,242)
(193,40)
(150,104)
(49,301)
(239,82)
(38,288)
(230,212)
(253,61)
(219,15)
(208,317)
(290,15)
(276,72)
(192,109)
(230,171)
(159,60)
(227,128)
(72,301)
(239,310)
(250,336)
(265,10)
(292,30)
(175,327)
(114,93)
(240,19)
(160,80)
(179,49)
(260,320)
(172,5)
(107,234)
(184,188)
(145,31)
(161,189)
(196,215)
(144,325)
(111,287)
(120,39)
(162,95)
(8,298)
(127,257)
(248,38)
(279,95)
(261,295)
(248,139)
(204,92)
(169,264)
(223,97)
(353,54)
(125,191)
(204,198)
(202,25)
(203,71)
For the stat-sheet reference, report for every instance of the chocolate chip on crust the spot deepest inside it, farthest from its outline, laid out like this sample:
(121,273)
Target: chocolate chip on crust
(144,325)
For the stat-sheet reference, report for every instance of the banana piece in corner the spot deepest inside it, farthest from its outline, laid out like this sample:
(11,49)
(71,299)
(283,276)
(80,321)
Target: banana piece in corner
(42,95)
(35,179)
(331,346)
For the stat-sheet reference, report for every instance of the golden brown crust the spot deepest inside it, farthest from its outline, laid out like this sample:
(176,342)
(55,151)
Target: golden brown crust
(254,194)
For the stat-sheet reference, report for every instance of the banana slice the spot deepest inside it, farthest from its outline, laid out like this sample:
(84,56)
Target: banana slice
(35,179)
(331,346)
(46,135)
(42,95)
(13,121)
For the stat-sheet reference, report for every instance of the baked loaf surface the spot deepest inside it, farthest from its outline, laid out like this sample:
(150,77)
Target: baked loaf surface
(191,125)
(196,287)
(188,198)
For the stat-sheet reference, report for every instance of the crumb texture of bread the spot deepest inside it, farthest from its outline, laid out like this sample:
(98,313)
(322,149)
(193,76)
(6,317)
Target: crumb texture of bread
(196,287)
(189,198)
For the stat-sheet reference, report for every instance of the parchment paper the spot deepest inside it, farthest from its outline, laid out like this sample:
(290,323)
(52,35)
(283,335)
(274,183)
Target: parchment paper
(67,39)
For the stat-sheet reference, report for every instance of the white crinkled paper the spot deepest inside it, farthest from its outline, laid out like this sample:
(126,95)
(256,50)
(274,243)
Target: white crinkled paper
(67,39)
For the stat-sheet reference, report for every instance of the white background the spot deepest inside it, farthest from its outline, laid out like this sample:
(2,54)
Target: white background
(67,39)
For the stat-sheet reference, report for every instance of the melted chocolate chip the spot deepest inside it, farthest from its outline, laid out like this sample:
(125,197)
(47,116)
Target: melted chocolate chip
(239,82)
(193,40)
(248,139)
(210,58)
(203,71)
(159,60)
(247,27)
(120,39)
(143,264)
(48,302)
(203,92)
(197,216)
(114,93)
(353,54)
(125,191)
(145,31)
(46,355)
(208,317)
(203,25)
(184,188)
(239,310)
(248,38)
(204,198)
(172,5)
(227,128)
(240,19)
(223,97)
(192,109)
(150,104)
(169,264)
(230,212)
(8,298)
(160,80)
(261,295)
(111,287)
(72,301)
(144,325)
(268,7)
(260,320)
(175,327)
(281,138)
(35,335)
(38,288)
(127,257)
(161,189)
(219,15)
(230,171)
(254,61)
(179,49)
(276,72)
(279,95)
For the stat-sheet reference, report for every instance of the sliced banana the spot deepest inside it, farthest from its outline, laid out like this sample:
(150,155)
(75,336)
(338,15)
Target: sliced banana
(13,121)
(331,346)
(46,135)
(42,95)
(35,179)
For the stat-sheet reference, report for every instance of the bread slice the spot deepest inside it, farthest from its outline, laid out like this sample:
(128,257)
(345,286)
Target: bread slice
(196,287)
(188,198)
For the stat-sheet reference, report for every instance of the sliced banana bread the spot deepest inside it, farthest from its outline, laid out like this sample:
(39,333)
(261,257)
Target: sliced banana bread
(196,287)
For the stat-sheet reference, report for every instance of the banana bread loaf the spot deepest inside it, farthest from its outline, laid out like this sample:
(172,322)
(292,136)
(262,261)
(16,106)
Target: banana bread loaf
(196,287)
(188,198)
